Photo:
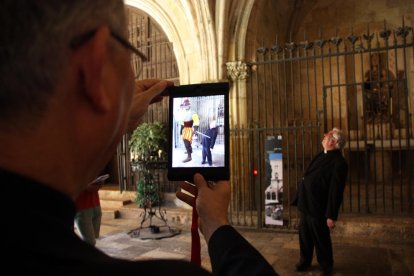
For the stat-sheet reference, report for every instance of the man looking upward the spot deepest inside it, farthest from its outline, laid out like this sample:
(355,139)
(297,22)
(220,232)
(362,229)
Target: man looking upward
(319,198)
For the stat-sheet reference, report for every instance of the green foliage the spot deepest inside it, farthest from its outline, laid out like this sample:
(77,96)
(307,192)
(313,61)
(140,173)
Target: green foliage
(147,140)
(147,191)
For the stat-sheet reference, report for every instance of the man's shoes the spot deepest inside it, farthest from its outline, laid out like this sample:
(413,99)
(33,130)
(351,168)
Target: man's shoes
(326,271)
(202,163)
(301,266)
(188,159)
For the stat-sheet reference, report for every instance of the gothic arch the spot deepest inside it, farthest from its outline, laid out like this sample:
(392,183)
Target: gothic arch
(239,14)
(238,20)
(190,28)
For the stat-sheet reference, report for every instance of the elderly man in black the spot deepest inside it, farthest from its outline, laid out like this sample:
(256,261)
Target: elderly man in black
(319,198)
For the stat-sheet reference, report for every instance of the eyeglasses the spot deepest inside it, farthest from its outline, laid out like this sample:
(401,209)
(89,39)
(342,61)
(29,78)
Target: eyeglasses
(79,40)
(331,135)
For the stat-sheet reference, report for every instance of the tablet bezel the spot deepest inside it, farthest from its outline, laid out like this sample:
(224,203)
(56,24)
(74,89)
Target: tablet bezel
(209,173)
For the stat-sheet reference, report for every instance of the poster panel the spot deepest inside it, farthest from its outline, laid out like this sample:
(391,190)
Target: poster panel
(274,181)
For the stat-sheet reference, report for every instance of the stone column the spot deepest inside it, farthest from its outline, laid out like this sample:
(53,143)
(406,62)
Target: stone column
(237,72)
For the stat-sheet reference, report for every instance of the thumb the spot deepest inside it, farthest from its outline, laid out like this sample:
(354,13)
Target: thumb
(199,181)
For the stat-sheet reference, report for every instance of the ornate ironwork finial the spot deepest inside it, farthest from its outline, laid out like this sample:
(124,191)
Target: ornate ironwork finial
(403,31)
(385,34)
(368,37)
(306,45)
(262,50)
(276,48)
(352,38)
(336,40)
(320,42)
(290,46)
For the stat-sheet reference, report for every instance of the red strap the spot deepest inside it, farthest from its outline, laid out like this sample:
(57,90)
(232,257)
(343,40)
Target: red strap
(195,240)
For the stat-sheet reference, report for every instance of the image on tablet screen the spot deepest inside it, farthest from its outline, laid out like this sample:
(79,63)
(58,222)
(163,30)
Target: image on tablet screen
(198,134)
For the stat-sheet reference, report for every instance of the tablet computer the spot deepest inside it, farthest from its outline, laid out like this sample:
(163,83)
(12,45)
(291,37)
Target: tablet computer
(199,131)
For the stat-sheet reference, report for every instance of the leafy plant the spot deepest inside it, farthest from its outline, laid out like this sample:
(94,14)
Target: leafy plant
(147,191)
(147,140)
(146,143)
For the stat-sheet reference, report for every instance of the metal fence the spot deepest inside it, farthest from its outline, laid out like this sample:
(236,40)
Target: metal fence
(147,36)
(362,84)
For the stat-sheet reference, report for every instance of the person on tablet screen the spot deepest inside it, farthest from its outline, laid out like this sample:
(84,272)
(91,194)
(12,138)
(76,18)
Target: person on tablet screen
(190,122)
(208,141)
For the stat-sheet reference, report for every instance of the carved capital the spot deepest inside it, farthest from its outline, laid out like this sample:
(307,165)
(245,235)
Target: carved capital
(237,70)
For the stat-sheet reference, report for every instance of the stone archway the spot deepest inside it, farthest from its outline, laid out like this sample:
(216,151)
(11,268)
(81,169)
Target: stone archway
(191,30)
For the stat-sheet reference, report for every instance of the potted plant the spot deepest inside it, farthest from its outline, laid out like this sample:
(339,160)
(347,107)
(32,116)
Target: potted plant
(147,141)
(147,145)
(147,191)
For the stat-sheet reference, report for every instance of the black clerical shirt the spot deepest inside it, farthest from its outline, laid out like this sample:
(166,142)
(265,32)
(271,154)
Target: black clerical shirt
(321,191)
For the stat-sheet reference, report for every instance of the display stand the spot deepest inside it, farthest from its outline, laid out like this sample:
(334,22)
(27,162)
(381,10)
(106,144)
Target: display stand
(153,230)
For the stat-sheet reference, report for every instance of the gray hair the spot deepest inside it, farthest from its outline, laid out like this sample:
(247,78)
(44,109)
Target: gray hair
(34,49)
(340,138)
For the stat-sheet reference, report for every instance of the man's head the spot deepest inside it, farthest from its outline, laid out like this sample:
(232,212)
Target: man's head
(66,87)
(35,48)
(213,124)
(186,105)
(334,139)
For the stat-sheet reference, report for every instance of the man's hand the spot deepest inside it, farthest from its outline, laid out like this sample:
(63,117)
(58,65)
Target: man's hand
(146,92)
(211,203)
(330,223)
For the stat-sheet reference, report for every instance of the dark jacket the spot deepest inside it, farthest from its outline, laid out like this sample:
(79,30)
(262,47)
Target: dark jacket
(38,236)
(209,142)
(321,191)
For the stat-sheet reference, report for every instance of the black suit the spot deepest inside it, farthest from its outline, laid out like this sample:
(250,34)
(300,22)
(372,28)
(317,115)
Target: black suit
(208,142)
(38,236)
(319,198)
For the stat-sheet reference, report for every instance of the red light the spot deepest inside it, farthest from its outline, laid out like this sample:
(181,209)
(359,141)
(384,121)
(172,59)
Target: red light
(255,172)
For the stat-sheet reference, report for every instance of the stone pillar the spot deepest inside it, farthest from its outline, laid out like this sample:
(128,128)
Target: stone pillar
(237,72)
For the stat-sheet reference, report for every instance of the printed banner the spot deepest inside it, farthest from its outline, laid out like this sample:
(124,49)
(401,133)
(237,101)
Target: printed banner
(274,178)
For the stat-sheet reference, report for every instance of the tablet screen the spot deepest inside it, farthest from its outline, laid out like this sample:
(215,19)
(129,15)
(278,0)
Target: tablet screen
(199,131)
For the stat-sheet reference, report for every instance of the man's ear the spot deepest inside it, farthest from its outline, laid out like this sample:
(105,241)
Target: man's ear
(93,55)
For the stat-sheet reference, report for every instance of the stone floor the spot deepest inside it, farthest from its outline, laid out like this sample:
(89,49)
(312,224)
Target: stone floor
(353,255)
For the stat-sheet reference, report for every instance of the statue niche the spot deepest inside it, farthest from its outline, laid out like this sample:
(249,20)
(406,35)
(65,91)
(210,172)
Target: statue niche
(378,88)
(384,102)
